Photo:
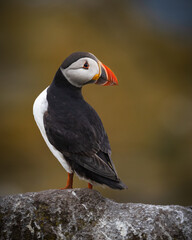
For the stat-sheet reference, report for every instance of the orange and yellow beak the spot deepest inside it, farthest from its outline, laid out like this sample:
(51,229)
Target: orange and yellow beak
(105,77)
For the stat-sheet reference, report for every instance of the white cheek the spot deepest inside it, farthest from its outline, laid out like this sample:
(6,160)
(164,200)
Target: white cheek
(81,75)
(78,76)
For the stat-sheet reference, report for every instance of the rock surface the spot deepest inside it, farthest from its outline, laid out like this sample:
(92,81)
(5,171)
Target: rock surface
(82,214)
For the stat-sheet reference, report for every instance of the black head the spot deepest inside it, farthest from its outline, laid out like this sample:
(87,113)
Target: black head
(81,68)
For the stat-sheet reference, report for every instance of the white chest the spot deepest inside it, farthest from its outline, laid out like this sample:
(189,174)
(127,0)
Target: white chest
(39,108)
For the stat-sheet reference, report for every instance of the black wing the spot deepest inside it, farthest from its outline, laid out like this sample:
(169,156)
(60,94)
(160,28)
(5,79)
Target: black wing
(80,136)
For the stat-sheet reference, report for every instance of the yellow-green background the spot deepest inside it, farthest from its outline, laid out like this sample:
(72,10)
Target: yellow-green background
(148,117)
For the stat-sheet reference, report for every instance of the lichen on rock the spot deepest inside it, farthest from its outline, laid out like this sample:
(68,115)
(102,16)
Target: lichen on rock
(84,214)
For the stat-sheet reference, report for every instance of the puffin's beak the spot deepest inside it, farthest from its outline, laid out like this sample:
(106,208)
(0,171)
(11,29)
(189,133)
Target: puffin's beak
(106,76)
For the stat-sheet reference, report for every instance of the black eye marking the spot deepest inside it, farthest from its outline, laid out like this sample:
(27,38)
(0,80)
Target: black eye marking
(86,65)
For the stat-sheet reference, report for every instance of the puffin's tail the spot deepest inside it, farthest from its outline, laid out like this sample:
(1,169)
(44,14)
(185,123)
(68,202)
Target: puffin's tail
(94,177)
(118,184)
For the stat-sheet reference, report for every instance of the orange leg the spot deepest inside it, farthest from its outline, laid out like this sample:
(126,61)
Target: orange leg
(90,186)
(69,181)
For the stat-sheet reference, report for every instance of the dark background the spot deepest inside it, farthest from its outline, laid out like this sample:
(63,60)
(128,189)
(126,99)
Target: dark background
(148,117)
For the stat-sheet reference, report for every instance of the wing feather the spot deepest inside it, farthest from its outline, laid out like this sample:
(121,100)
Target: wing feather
(82,139)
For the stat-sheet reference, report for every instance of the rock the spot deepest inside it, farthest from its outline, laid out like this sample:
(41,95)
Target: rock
(83,214)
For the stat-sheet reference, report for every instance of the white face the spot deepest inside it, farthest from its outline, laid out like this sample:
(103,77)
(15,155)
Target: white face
(81,71)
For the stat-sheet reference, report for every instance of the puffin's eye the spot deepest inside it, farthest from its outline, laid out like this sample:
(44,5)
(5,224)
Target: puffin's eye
(86,65)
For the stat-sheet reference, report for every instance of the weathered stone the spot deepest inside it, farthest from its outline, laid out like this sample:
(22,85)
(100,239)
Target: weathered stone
(83,214)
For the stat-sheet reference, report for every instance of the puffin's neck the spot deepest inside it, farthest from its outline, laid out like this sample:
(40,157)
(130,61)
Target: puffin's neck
(62,88)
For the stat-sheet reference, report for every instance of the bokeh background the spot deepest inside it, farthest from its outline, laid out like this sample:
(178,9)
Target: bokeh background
(148,117)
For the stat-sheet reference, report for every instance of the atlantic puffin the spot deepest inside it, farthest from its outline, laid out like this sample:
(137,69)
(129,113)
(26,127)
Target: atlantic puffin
(71,128)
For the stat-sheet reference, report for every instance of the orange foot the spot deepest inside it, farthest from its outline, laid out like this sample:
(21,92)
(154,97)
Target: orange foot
(69,182)
(90,186)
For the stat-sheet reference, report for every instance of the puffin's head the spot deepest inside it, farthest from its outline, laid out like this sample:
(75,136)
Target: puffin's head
(81,68)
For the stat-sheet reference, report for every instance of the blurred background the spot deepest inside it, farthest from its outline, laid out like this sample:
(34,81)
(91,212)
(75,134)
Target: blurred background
(148,117)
